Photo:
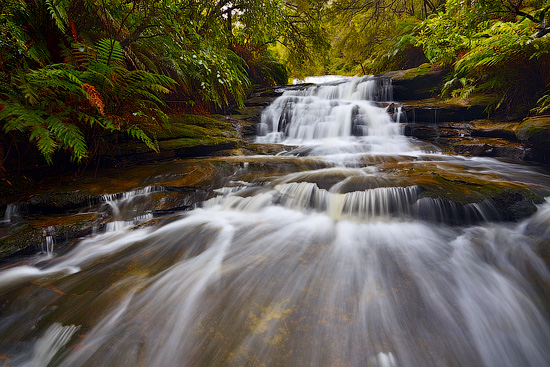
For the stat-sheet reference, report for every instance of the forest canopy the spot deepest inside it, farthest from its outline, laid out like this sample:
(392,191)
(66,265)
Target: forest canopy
(76,74)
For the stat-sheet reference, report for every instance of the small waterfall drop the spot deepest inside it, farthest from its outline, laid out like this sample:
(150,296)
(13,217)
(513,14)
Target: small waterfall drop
(45,349)
(12,211)
(126,208)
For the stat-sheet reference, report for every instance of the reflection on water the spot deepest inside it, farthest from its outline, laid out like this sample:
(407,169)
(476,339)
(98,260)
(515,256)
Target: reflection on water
(306,259)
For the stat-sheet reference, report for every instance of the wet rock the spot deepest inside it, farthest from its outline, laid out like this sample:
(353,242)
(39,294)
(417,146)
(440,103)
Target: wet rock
(172,201)
(252,114)
(515,204)
(435,111)
(451,185)
(487,147)
(31,236)
(58,201)
(267,149)
(262,101)
(534,132)
(245,128)
(492,129)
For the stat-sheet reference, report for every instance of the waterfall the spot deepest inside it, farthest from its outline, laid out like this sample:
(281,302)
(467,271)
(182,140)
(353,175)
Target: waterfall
(353,249)
(12,211)
(126,207)
(340,110)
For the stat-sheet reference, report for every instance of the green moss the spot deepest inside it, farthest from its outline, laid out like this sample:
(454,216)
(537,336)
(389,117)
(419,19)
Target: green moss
(423,69)
(535,131)
(186,131)
(195,142)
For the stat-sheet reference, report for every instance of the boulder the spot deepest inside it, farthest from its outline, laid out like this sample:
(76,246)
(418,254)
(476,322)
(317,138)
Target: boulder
(535,131)
(487,147)
(417,83)
(494,129)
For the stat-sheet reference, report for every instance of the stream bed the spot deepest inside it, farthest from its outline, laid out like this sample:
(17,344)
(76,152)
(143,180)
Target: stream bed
(356,247)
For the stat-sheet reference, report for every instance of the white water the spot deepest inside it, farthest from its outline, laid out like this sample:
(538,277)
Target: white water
(340,117)
(12,210)
(316,264)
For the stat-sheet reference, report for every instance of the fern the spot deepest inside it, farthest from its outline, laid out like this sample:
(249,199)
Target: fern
(138,133)
(543,104)
(69,136)
(58,12)
(44,142)
(109,51)
(22,119)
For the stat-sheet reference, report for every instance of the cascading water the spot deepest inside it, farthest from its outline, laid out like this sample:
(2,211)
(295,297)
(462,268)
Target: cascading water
(303,260)
(332,116)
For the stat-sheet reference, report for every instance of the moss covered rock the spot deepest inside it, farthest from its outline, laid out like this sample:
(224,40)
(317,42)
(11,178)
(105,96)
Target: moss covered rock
(185,136)
(418,83)
(535,131)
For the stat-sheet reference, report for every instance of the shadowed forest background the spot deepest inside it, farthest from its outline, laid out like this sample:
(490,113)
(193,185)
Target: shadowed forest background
(77,77)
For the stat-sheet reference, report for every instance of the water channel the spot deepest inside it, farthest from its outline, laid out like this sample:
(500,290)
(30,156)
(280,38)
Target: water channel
(357,246)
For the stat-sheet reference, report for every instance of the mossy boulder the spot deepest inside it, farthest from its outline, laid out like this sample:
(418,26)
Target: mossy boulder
(535,131)
(185,136)
(494,129)
(421,82)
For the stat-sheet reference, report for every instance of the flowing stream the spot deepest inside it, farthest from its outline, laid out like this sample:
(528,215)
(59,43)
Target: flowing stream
(343,251)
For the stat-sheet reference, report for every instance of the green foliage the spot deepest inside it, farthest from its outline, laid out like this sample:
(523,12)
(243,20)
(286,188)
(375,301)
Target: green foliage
(303,41)
(74,73)
(492,48)
(399,51)
(374,36)
(57,105)
(543,104)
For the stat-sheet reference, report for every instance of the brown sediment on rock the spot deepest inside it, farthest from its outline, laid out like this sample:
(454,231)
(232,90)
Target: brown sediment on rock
(62,229)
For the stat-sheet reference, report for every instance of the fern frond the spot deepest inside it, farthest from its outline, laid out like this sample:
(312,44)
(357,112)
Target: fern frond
(44,142)
(58,12)
(543,104)
(70,136)
(138,133)
(94,97)
(24,119)
(109,51)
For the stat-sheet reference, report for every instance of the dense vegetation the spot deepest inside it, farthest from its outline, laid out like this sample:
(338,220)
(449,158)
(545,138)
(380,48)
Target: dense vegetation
(76,75)
(496,47)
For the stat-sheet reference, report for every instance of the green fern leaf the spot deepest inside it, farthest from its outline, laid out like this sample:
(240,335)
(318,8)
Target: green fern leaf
(138,133)
(109,51)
